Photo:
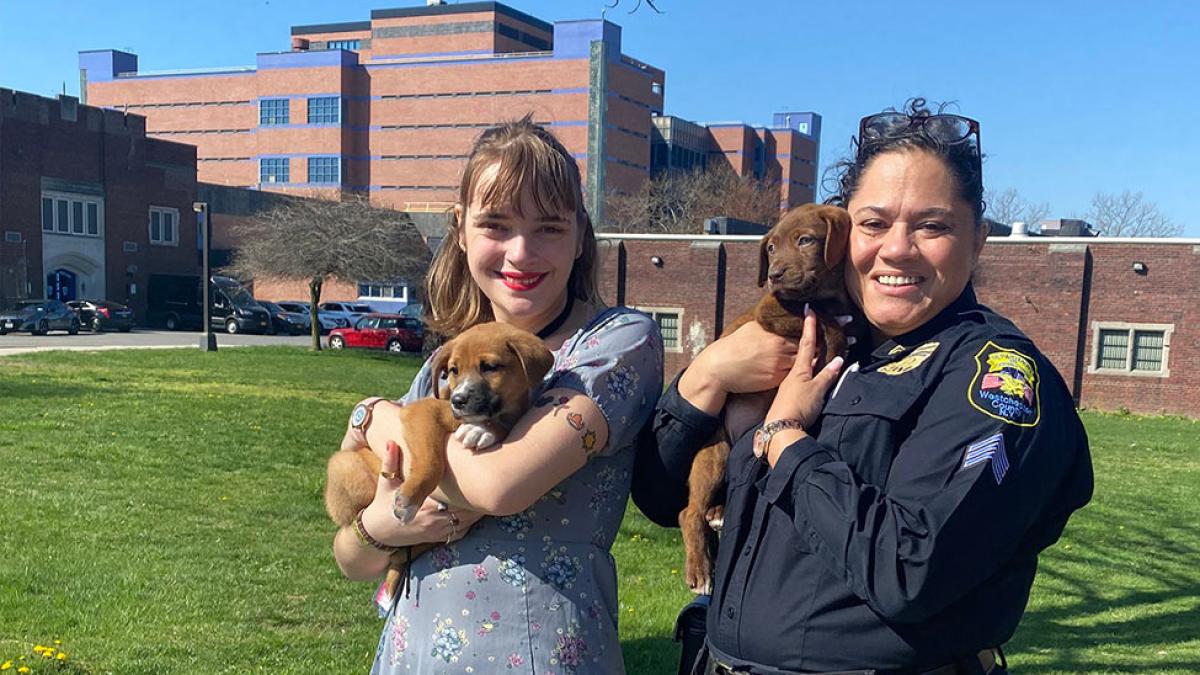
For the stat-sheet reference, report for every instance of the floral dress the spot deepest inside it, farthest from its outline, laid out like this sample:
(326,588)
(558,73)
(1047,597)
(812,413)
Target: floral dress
(536,592)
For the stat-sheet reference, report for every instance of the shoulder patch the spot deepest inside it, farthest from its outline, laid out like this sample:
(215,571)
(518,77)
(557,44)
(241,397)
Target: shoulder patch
(1006,386)
(916,358)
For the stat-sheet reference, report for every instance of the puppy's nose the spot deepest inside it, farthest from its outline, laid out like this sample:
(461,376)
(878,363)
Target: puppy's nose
(775,275)
(458,399)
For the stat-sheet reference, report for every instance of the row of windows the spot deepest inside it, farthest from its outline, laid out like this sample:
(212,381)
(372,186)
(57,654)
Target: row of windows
(71,215)
(468,94)
(321,110)
(351,45)
(378,290)
(320,170)
(82,215)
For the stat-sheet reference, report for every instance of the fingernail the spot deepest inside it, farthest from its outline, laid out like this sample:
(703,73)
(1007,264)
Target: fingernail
(807,309)
(851,340)
(835,363)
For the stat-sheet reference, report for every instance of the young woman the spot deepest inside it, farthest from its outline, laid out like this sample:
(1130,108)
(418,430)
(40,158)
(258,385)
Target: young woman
(895,526)
(531,587)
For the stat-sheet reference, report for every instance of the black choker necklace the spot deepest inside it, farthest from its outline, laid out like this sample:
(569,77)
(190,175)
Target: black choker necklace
(560,319)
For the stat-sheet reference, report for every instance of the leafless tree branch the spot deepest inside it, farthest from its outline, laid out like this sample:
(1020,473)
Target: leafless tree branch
(1008,207)
(679,202)
(1130,215)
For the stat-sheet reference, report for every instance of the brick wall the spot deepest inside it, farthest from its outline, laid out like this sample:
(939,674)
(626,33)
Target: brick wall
(1057,291)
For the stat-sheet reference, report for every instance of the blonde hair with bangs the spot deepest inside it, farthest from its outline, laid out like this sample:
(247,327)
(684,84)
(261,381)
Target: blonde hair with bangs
(531,161)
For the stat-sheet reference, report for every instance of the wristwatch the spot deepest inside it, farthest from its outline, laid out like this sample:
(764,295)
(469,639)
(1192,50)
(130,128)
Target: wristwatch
(763,436)
(360,417)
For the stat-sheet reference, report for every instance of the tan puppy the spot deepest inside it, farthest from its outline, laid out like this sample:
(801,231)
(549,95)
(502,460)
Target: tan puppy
(491,371)
(800,262)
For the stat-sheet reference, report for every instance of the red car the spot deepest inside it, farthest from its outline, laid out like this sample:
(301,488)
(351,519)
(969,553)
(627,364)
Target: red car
(392,332)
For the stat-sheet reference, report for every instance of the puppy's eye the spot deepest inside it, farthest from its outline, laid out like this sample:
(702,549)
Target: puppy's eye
(770,249)
(485,367)
(453,370)
(806,240)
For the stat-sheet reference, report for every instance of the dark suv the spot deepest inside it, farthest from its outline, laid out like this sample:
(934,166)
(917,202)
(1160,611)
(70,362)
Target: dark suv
(99,315)
(39,317)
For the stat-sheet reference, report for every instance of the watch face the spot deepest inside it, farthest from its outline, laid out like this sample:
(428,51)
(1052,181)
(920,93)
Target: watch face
(359,415)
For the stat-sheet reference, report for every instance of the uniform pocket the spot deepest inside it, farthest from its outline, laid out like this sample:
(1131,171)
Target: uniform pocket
(866,421)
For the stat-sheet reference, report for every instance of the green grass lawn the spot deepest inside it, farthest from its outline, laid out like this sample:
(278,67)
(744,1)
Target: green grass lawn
(162,514)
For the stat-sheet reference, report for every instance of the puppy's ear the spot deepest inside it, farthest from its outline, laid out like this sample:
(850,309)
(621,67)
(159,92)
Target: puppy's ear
(763,260)
(838,235)
(438,367)
(533,356)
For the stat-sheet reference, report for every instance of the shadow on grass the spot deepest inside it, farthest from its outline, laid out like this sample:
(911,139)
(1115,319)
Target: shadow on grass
(44,388)
(1105,613)
(651,656)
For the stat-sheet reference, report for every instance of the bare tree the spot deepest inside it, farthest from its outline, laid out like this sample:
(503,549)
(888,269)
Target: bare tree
(1008,207)
(636,6)
(315,240)
(678,202)
(1129,215)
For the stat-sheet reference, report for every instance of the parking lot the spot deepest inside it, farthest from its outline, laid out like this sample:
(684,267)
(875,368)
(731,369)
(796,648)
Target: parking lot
(16,343)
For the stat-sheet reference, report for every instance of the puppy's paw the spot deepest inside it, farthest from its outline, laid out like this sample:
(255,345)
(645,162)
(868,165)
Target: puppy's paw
(715,517)
(698,574)
(474,436)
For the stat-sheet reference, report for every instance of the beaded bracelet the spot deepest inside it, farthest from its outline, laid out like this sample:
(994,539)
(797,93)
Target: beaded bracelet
(366,538)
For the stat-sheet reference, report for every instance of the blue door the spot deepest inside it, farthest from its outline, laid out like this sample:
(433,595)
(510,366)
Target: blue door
(60,285)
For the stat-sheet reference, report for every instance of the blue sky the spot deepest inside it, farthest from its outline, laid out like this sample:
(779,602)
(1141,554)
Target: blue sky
(1073,97)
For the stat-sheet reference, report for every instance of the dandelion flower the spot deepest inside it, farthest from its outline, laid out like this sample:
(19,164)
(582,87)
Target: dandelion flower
(24,669)
(6,665)
(62,656)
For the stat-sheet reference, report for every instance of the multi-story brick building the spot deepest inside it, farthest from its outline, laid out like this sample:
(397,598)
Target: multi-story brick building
(1120,318)
(392,105)
(785,153)
(89,206)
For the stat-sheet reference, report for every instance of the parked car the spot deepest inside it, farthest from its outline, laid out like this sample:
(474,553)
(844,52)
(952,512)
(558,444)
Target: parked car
(39,317)
(327,320)
(100,315)
(392,332)
(284,321)
(350,311)
(412,310)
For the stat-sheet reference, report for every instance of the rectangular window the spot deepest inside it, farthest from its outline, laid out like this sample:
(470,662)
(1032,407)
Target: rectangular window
(77,217)
(272,111)
(1148,350)
(93,218)
(351,45)
(273,170)
(47,214)
(63,224)
(1114,349)
(162,226)
(1131,349)
(324,110)
(323,170)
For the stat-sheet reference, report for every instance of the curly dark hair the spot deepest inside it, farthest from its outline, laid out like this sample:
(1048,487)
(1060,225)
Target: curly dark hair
(964,160)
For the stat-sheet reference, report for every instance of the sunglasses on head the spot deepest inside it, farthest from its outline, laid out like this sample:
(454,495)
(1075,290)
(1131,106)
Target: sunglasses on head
(948,129)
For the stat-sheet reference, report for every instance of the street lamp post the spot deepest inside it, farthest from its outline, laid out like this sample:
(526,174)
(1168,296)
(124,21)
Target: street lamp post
(208,341)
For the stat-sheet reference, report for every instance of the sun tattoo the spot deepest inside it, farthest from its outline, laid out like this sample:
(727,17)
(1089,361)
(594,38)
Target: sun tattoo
(589,442)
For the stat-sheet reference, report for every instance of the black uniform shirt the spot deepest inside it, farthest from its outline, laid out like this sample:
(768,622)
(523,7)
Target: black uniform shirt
(903,533)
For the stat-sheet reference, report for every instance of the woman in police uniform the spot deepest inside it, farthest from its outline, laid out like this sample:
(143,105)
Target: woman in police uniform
(888,514)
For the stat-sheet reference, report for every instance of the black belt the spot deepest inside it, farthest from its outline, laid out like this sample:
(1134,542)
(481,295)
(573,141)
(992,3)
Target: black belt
(987,662)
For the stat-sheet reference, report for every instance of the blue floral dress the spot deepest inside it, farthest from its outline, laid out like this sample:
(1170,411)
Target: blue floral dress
(536,592)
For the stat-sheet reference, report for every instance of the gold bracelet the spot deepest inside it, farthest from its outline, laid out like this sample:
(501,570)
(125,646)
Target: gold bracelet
(365,537)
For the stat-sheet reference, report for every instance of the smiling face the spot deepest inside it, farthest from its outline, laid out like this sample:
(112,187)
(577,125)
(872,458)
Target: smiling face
(520,258)
(913,241)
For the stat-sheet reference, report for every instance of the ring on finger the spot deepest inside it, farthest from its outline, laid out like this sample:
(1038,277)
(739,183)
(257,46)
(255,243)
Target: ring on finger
(390,475)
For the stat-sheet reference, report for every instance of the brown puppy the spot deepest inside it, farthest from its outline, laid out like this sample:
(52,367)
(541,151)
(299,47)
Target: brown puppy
(800,262)
(491,371)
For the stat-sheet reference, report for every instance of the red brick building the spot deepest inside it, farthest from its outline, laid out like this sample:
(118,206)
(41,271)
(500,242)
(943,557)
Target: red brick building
(89,206)
(391,106)
(1120,318)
